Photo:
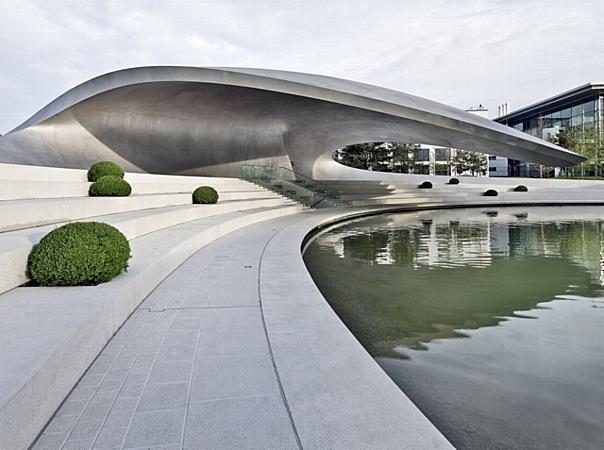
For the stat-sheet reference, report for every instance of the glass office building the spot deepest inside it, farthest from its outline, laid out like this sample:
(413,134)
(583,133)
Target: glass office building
(581,108)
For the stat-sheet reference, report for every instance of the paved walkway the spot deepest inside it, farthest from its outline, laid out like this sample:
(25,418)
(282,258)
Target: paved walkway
(206,362)
(191,368)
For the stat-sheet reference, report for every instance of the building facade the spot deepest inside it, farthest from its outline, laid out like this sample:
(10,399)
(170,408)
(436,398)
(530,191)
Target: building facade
(580,109)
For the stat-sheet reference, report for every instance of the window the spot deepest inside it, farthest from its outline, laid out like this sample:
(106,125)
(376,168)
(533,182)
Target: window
(577,110)
(589,107)
(423,154)
(441,169)
(441,154)
(492,169)
(421,169)
(492,157)
(589,117)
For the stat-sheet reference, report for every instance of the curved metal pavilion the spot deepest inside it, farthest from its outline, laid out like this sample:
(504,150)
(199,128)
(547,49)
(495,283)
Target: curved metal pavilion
(211,121)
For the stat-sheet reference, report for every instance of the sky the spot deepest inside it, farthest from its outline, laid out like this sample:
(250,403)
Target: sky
(459,52)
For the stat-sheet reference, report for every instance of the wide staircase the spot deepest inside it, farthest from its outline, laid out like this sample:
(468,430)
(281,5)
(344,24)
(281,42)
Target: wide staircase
(49,336)
(294,185)
(470,191)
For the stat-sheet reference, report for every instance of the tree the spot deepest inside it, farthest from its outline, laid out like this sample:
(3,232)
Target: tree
(567,138)
(381,157)
(355,155)
(367,156)
(472,162)
(402,156)
(586,143)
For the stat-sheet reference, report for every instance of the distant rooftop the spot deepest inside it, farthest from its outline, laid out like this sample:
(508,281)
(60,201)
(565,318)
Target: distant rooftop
(557,101)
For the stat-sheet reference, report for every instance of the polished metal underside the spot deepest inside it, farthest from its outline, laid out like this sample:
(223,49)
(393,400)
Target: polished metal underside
(211,121)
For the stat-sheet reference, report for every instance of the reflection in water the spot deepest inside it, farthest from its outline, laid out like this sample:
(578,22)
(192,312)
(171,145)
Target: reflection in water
(516,282)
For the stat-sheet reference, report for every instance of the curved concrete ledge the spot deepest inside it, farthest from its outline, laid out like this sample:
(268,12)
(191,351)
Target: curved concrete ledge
(337,394)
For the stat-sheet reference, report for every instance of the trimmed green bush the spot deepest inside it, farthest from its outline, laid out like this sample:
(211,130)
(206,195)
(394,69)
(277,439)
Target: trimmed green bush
(425,185)
(104,168)
(205,194)
(454,181)
(521,188)
(79,254)
(110,186)
(491,193)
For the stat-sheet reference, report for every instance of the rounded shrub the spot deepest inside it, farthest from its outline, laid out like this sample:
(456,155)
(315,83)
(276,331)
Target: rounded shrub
(103,169)
(110,186)
(521,188)
(454,181)
(205,194)
(490,193)
(79,254)
(425,185)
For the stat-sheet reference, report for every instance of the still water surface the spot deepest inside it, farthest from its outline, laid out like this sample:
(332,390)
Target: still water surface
(491,321)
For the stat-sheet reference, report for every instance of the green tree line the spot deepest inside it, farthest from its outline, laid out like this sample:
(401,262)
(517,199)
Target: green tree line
(401,157)
(587,143)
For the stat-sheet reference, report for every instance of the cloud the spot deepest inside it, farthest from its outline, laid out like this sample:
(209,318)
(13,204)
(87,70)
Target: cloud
(461,52)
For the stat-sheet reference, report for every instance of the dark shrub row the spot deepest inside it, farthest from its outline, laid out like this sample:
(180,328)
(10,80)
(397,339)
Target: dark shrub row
(428,184)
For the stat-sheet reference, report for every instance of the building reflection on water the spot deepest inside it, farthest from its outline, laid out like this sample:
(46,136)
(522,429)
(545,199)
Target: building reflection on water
(425,243)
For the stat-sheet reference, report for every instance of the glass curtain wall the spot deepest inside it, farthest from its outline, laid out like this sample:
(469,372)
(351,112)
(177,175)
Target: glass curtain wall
(585,116)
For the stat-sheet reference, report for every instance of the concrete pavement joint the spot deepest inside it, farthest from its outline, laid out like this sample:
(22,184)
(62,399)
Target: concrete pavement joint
(185,308)
(190,385)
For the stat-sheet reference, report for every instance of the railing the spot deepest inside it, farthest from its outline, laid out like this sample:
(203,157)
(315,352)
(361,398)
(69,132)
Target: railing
(293,185)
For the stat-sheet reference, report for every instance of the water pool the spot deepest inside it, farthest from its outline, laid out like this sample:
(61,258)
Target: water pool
(490,320)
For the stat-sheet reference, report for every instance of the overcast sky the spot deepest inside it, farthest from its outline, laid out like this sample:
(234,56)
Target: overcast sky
(459,52)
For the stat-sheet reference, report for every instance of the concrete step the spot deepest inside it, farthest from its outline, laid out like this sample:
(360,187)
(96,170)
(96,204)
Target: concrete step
(41,173)
(380,195)
(26,182)
(19,214)
(29,189)
(395,201)
(15,246)
(55,333)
